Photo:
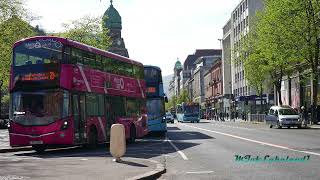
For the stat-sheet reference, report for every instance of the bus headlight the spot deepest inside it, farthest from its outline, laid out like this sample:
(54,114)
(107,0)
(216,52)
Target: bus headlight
(65,125)
(163,119)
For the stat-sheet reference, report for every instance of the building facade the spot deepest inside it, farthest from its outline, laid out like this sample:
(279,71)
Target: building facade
(203,64)
(228,100)
(246,100)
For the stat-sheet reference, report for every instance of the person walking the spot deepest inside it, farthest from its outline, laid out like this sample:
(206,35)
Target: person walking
(304,116)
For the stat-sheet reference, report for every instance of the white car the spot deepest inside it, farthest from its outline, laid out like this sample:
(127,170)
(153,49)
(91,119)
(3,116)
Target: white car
(283,116)
(169,118)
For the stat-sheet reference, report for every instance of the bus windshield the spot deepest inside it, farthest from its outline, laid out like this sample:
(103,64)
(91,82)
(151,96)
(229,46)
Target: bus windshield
(38,52)
(191,109)
(39,108)
(155,108)
(152,75)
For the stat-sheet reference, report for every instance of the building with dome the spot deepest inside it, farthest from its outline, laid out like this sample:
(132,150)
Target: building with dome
(174,84)
(112,21)
(177,77)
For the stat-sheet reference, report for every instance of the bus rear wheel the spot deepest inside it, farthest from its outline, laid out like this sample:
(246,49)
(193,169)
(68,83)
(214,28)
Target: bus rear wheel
(39,148)
(133,134)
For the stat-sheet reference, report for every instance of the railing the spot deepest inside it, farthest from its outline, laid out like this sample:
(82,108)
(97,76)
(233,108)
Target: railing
(256,117)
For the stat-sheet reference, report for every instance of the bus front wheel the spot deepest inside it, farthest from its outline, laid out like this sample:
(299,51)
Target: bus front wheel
(39,148)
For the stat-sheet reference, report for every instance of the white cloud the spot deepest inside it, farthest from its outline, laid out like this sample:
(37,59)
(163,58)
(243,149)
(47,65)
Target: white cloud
(155,31)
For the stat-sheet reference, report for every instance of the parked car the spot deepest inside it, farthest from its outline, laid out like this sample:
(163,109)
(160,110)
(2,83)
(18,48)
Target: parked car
(283,116)
(169,117)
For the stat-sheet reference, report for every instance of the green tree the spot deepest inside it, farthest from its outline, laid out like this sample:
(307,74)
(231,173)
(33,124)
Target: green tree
(88,30)
(183,97)
(14,25)
(171,103)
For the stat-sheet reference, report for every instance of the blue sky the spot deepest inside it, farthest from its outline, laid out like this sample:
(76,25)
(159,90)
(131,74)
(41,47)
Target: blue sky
(156,32)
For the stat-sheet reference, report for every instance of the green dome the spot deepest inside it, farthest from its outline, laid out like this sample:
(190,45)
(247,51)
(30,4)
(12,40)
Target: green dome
(178,65)
(113,20)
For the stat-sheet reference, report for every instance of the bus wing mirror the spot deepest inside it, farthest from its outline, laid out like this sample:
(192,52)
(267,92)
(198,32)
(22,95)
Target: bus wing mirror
(166,99)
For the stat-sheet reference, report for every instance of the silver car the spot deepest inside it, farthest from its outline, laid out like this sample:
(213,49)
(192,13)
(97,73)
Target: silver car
(169,117)
(283,116)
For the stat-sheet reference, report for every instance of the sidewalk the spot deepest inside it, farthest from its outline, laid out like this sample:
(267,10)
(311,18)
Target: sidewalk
(79,168)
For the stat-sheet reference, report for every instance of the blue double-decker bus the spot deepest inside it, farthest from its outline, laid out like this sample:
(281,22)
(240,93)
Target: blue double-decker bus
(188,112)
(155,99)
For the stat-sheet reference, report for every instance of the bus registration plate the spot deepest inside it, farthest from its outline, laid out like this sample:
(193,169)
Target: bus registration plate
(36,142)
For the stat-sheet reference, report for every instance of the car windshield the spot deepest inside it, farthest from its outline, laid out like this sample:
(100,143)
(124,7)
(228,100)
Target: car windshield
(287,112)
(39,108)
(155,108)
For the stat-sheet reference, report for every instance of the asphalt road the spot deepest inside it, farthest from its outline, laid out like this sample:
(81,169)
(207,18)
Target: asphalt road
(208,151)
(205,150)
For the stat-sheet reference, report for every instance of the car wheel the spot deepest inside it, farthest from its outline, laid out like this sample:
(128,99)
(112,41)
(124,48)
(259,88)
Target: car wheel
(289,127)
(270,126)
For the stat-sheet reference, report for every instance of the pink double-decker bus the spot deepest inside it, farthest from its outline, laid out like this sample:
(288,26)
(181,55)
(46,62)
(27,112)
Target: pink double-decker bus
(65,93)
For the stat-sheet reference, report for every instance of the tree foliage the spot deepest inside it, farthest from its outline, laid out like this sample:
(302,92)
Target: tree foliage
(88,30)
(183,97)
(283,39)
(13,27)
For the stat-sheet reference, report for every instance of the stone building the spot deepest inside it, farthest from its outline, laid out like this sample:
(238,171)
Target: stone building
(203,64)
(112,21)
(246,98)
(228,100)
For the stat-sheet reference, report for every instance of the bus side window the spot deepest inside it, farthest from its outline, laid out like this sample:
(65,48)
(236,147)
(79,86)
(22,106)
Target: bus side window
(107,64)
(118,107)
(89,59)
(133,107)
(66,55)
(98,62)
(76,56)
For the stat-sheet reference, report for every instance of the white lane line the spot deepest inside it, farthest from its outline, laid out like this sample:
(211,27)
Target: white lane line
(235,127)
(180,152)
(200,172)
(254,141)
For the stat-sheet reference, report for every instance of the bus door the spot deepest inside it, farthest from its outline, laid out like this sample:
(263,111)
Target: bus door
(79,114)
(110,119)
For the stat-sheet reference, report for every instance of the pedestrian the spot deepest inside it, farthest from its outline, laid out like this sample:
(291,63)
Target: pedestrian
(236,115)
(227,115)
(304,115)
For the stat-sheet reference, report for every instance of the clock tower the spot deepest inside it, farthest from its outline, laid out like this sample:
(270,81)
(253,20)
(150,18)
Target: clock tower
(112,21)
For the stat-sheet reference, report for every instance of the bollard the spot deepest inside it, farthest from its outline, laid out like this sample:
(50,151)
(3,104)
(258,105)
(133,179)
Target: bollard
(117,142)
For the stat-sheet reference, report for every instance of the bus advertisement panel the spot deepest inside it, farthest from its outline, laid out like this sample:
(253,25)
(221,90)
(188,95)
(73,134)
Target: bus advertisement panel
(188,112)
(67,93)
(155,99)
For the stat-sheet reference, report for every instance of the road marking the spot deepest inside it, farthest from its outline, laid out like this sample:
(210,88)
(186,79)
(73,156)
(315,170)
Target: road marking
(190,134)
(180,152)
(254,141)
(200,172)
